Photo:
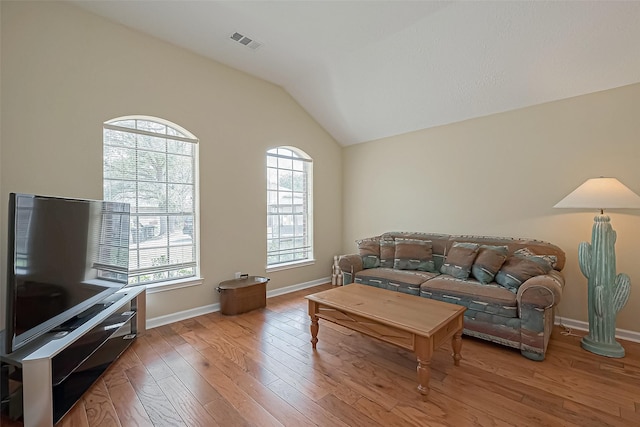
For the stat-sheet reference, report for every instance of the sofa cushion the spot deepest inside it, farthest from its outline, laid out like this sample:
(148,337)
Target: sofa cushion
(406,281)
(460,259)
(369,250)
(518,268)
(551,259)
(413,254)
(439,243)
(488,262)
(491,299)
(515,244)
(387,252)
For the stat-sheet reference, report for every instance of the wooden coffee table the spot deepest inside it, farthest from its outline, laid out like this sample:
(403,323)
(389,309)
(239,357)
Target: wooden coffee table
(417,324)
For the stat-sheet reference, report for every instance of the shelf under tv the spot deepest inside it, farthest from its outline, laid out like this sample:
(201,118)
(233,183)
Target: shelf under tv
(56,369)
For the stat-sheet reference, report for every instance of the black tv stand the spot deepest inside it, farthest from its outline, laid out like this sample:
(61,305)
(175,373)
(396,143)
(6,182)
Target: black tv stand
(53,372)
(94,309)
(82,318)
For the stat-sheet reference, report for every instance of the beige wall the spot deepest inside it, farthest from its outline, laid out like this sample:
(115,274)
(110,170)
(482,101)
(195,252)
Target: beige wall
(65,72)
(501,175)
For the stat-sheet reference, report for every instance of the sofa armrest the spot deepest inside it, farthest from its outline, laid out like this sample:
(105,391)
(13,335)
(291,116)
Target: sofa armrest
(349,265)
(543,291)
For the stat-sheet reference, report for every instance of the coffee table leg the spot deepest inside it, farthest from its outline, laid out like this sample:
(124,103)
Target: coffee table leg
(456,343)
(313,309)
(314,331)
(424,353)
(424,373)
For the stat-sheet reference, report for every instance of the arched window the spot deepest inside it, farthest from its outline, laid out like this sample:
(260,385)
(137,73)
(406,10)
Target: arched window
(289,207)
(152,165)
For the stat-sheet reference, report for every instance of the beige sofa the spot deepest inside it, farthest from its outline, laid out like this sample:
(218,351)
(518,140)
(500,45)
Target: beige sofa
(514,308)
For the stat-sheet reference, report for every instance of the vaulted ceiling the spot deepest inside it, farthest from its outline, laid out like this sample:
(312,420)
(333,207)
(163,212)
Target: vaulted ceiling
(370,69)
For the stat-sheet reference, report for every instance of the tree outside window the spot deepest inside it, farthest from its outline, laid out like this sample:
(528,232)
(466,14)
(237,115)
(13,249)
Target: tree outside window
(151,164)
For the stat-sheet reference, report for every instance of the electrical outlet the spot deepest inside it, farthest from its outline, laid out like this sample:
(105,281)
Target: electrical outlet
(238,274)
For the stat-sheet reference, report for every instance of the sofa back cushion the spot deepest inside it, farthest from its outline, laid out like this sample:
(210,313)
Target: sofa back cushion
(413,254)
(369,250)
(387,252)
(439,243)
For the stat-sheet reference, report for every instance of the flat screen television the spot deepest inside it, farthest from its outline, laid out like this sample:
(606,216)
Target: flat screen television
(64,257)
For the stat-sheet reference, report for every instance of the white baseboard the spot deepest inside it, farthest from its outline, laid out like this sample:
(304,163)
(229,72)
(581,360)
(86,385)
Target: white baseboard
(622,334)
(299,286)
(182,315)
(211,308)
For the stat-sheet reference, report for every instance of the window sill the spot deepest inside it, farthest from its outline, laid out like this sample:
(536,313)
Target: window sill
(174,284)
(289,265)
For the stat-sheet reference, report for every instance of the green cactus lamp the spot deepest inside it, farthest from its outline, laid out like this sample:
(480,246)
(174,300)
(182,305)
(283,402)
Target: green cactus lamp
(607,292)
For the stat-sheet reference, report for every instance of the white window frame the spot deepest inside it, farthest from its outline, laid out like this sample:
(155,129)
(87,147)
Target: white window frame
(177,134)
(283,155)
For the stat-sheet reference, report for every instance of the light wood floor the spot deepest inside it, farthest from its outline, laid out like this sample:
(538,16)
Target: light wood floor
(258,369)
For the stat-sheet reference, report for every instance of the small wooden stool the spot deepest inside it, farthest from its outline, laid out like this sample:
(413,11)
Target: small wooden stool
(242,295)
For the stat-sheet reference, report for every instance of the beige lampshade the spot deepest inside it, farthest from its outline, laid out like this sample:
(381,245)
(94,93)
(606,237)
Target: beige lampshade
(601,193)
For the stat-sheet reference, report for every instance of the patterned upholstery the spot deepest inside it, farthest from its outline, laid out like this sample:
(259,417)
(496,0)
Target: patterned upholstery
(369,250)
(520,318)
(492,299)
(407,281)
(460,259)
(413,254)
(488,262)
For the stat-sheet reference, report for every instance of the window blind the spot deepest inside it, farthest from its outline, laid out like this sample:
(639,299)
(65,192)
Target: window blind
(152,166)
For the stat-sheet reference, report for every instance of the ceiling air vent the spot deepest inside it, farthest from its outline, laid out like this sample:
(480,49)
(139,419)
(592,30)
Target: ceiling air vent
(245,41)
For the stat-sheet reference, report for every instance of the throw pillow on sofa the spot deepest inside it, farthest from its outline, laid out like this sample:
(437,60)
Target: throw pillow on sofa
(488,262)
(553,260)
(460,259)
(519,268)
(413,254)
(369,250)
